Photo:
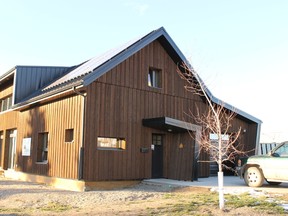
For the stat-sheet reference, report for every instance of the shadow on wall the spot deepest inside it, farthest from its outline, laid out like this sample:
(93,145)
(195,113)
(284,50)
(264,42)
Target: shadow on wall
(33,135)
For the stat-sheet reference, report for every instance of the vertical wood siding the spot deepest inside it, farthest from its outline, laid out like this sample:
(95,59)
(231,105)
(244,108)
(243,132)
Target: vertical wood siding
(116,104)
(8,121)
(179,156)
(6,89)
(53,118)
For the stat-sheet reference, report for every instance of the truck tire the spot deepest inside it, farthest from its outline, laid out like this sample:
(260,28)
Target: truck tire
(253,177)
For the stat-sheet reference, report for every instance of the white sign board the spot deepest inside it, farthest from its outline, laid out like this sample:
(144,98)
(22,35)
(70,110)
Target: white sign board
(26,146)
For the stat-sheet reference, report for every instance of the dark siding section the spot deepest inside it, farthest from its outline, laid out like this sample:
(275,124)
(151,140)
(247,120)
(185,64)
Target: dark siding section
(29,79)
(116,104)
(179,156)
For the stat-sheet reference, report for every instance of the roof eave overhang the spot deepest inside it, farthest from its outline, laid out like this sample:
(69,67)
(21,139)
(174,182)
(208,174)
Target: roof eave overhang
(160,34)
(8,75)
(175,53)
(170,125)
(50,95)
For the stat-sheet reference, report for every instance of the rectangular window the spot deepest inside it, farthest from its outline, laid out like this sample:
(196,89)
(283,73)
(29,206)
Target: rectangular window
(5,103)
(214,142)
(42,147)
(106,143)
(154,78)
(69,135)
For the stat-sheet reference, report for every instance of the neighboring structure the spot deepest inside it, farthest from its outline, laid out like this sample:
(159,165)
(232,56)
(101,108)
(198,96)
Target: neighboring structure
(119,116)
(265,148)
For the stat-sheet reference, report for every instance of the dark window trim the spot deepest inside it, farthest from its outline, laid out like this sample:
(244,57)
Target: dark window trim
(42,148)
(69,135)
(152,81)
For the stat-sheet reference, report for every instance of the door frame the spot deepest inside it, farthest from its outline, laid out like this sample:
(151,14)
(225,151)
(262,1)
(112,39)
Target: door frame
(157,155)
(11,142)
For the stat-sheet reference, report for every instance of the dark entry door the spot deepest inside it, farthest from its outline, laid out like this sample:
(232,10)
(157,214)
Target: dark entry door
(157,156)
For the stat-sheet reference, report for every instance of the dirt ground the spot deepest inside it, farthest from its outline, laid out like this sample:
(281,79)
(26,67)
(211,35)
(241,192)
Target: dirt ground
(23,198)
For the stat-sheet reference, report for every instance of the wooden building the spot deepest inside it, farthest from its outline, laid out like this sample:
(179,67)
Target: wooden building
(119,116)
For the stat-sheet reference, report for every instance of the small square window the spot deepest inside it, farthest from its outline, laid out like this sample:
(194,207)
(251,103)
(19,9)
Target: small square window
(154,78)
(69,135)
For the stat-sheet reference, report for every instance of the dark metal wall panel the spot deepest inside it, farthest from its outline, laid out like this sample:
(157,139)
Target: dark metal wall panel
(29,79)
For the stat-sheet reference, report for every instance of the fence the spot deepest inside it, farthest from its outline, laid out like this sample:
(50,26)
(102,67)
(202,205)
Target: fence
(266,147)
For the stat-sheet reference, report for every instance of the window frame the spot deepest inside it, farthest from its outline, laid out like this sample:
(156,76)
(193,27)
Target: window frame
(69,135)
(155,78)
(282,150)
(43,140)
(6,103)
(1,144)
(157,139)
(121,142)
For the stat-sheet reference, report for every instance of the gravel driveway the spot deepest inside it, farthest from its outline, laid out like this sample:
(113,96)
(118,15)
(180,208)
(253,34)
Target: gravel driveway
(25,198)
(30,197)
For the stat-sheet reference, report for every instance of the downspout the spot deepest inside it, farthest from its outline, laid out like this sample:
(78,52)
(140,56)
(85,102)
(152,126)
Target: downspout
(81,151)
(258,138)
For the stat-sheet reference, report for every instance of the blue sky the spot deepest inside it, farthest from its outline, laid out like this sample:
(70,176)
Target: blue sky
(239,48)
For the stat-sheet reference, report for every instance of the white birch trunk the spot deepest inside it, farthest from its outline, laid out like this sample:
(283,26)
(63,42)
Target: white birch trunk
(221,190)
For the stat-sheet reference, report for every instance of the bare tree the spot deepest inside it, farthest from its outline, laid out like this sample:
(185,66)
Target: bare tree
(216,120)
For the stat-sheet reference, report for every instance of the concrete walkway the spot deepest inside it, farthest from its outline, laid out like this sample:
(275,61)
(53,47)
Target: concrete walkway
(210,182)
(232,184)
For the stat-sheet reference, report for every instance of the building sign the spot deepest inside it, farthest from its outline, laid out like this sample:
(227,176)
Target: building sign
(26,146)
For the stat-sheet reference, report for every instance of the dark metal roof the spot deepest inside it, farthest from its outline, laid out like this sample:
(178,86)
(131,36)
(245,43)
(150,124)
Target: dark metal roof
(30,79)
(92,69)
(89,71)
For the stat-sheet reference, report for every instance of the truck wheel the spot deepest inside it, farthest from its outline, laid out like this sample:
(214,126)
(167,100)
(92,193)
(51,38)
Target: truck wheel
(253,177)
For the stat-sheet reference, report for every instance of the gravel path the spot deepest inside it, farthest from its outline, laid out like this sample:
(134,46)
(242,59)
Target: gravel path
(19,195)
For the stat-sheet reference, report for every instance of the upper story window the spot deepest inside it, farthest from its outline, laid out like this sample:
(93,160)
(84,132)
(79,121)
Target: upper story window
(154,78)
(5,103)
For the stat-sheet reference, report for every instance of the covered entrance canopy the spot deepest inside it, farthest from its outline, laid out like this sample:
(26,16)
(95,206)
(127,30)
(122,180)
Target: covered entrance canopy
(169,124)
(181,148)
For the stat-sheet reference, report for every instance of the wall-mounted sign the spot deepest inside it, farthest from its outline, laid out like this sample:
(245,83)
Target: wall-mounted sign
(144,150)
(26,146)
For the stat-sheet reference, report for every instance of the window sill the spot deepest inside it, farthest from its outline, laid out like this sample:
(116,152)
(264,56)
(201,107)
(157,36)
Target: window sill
(110,149)
(43,163)
(155,88)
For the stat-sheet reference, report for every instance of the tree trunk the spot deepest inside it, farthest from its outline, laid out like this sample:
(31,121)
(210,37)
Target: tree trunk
(221,190)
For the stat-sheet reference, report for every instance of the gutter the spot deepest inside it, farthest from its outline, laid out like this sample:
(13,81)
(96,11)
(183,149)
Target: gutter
(46,96)
(81,149)
(258,139)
